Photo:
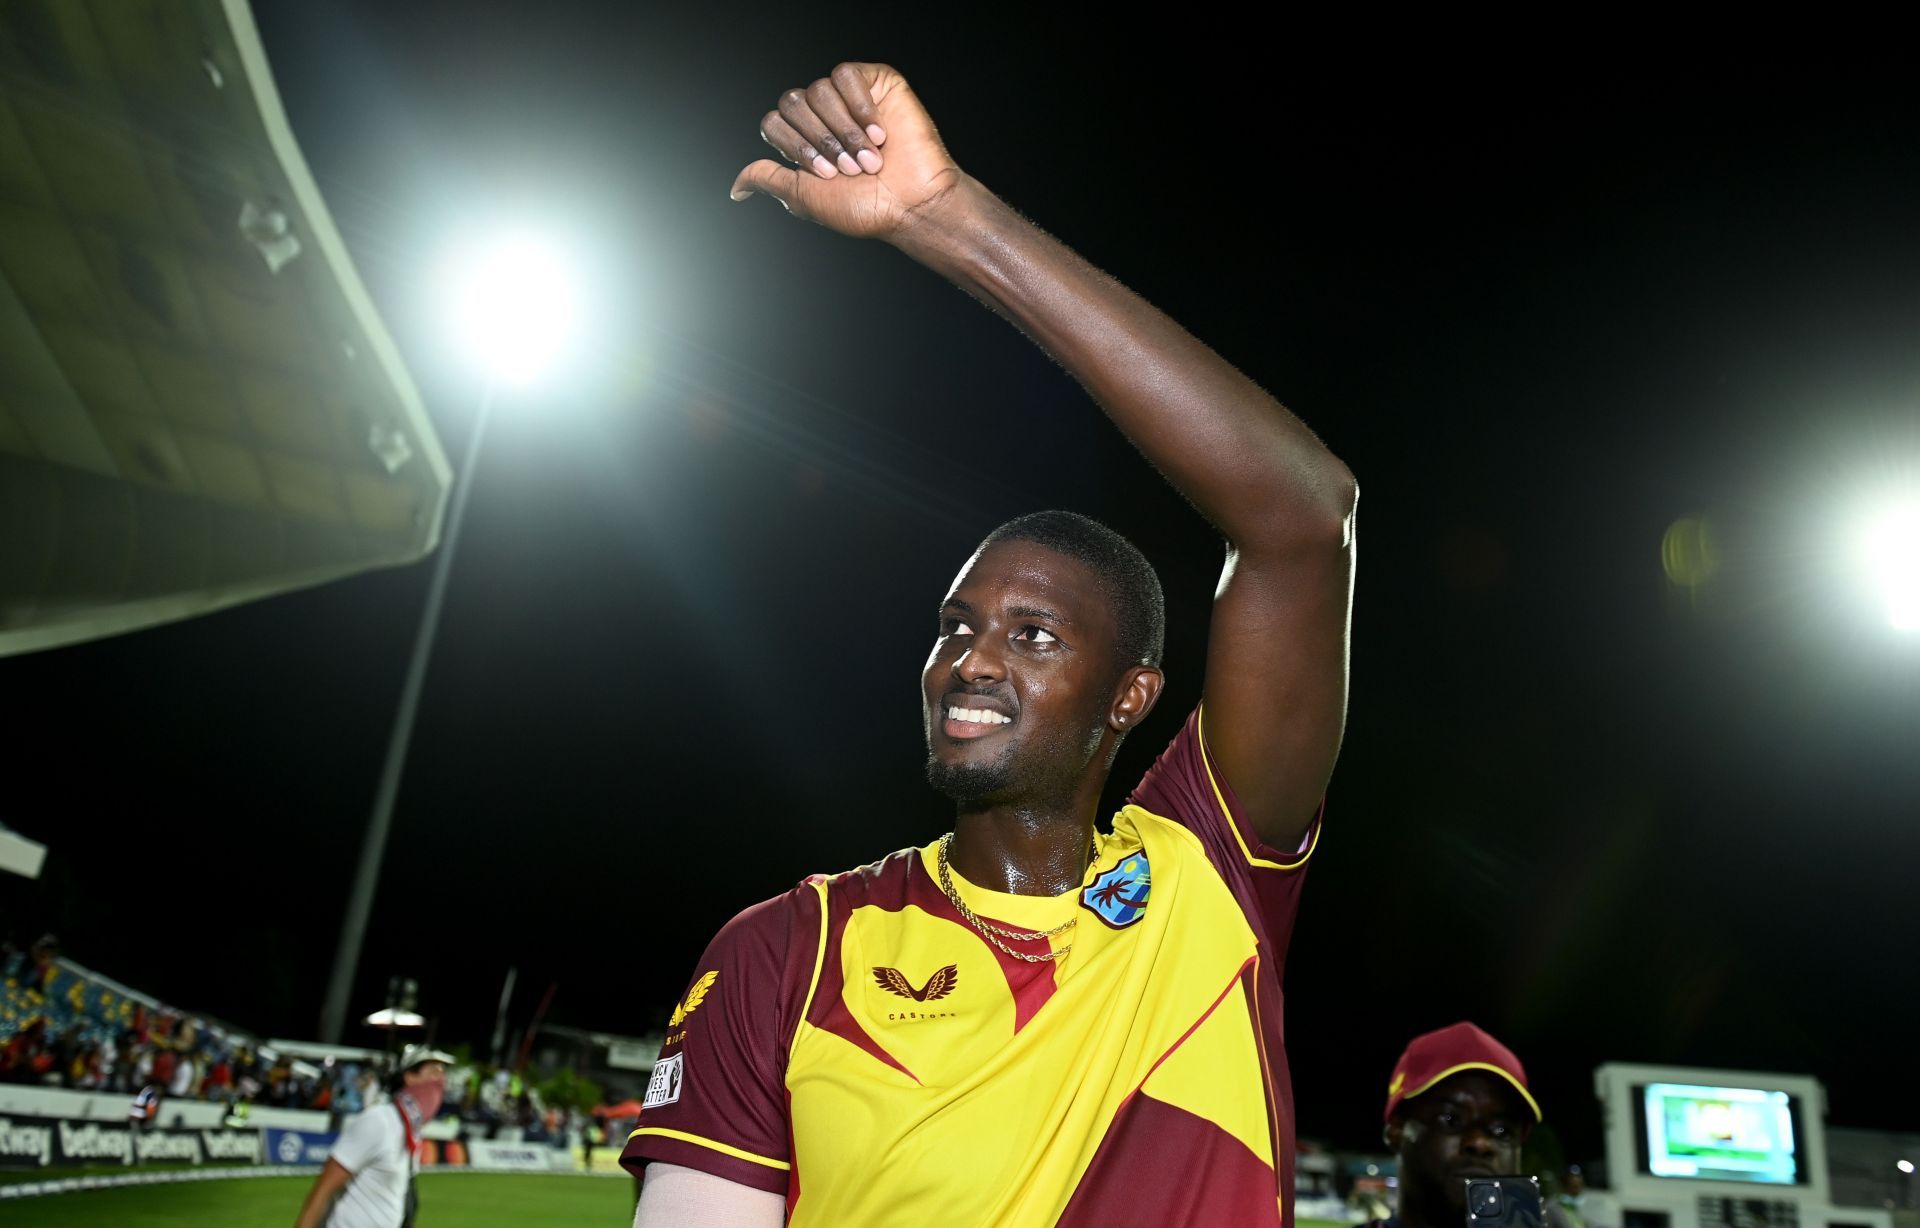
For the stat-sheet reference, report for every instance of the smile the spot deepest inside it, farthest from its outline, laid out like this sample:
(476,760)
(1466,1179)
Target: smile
(977,716)
(963,723)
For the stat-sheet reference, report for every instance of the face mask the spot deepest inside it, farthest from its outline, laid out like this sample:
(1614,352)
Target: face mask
(421,1102)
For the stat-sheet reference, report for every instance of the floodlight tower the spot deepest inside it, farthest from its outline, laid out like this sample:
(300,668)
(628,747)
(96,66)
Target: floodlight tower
(512,305)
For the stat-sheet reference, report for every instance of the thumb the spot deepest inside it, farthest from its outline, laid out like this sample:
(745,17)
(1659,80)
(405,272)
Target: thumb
(767,176)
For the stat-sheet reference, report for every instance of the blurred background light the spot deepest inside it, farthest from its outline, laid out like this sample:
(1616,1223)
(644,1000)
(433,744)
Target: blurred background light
(1890,552)
(1688,552)
(390,1017)
(514,302)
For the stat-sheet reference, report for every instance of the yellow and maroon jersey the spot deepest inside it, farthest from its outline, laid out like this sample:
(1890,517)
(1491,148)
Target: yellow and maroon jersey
(857,1046)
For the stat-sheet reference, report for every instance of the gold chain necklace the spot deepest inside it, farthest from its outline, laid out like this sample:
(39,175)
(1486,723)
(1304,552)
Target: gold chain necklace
(993,933)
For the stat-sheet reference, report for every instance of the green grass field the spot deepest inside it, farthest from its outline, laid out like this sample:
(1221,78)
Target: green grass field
(447,1200)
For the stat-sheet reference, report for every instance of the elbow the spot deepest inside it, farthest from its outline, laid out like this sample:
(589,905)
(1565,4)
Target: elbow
(1348,505)
(1290,511)
(1322,513)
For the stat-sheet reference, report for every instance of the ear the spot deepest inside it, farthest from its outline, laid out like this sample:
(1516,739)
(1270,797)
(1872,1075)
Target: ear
(1139,691)
(1395,1132)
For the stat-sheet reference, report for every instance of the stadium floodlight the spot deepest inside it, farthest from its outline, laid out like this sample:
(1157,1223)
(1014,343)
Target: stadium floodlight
(1890,551)
(1905,1166)
(388,1017)
(514,306)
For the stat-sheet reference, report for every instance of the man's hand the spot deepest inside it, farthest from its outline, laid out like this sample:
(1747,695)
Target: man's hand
(832,131)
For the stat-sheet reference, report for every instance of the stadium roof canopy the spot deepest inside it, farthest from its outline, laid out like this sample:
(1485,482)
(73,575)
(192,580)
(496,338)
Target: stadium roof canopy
(199,405)
(19,855)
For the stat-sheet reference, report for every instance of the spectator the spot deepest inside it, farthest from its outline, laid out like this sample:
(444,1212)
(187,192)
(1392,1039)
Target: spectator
(62,1027)
(279,1084)
(99,1063)
(1457,1107)
(124,1057)
(145,1107)
(349,1099)
(218,1084)
(186,1076)
(1584,1207)
(587,1140)
(42,965)
(31,1057)
(368,1179)
(165,1061)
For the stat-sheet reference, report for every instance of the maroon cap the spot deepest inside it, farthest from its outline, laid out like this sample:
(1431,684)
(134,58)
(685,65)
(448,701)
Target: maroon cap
(1434,1056)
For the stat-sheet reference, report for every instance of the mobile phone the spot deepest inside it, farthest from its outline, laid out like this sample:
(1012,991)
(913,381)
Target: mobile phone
(1504,1202)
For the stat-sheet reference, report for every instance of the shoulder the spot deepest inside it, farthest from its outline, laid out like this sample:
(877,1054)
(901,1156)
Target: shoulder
(371,1122)
(1180,778)
(366,1137)
(763,947)
(875,882)
(779,938)
(801,904)
(1185,785)
(771,921)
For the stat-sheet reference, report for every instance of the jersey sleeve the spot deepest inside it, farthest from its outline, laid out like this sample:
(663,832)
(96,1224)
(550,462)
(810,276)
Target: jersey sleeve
(1185,785)
(362,1139)
(717,1101)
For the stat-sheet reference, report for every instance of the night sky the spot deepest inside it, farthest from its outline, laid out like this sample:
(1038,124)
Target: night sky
(1542,313)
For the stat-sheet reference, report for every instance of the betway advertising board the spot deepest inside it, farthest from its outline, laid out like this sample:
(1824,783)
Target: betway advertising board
(52,1142)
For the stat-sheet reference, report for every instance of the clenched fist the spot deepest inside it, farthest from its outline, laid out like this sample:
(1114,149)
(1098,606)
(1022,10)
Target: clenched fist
(866,159)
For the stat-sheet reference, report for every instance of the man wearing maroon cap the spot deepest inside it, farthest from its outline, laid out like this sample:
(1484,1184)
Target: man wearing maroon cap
(1457,1107)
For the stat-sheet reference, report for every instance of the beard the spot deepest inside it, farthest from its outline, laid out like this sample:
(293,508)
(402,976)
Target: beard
(967,784)
(1044,772)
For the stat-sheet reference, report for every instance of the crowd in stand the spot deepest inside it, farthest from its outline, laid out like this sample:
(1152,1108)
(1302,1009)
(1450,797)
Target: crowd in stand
(62,1027)
(493,1100)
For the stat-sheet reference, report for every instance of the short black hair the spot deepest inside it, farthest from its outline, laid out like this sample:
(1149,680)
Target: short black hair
(1128,581)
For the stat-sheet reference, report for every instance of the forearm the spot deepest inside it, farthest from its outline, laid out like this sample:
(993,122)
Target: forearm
(313,1213)
(321,1196)
(1249,465)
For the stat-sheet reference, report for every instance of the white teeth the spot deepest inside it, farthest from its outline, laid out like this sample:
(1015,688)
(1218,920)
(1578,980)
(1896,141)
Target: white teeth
(977,716)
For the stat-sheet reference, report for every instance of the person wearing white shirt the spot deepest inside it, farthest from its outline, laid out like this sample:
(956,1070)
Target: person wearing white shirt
(368,1178)
(185,1072)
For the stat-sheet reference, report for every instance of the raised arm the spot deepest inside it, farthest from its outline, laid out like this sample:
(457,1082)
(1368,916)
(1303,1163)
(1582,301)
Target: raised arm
(870,164)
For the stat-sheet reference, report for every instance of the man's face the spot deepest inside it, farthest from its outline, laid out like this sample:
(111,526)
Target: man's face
(1018,688)
(1472,1124)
